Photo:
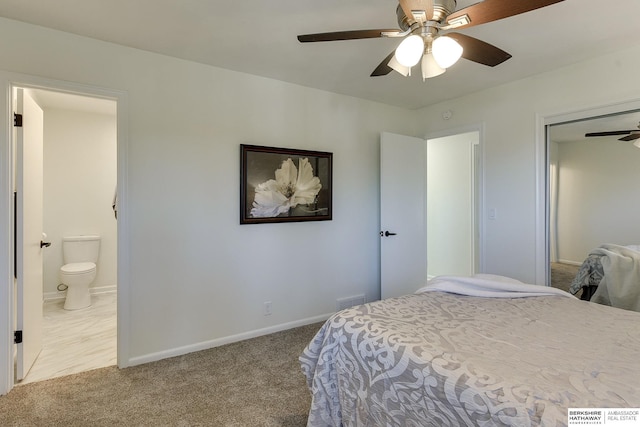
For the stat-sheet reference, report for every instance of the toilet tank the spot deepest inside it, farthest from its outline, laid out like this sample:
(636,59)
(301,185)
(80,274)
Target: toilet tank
(80,248)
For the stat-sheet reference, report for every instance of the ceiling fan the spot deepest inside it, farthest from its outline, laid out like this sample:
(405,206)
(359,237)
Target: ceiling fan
(422,21)
(631,135)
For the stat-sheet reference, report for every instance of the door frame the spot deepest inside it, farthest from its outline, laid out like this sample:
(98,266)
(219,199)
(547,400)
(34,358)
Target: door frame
(478,177)
(542,226)
(8,81)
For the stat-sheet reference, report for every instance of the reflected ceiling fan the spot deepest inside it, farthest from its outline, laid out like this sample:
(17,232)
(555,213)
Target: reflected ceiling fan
(631,135)
(421,23)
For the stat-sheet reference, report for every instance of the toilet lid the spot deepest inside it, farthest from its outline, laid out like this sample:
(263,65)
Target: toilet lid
(78,267)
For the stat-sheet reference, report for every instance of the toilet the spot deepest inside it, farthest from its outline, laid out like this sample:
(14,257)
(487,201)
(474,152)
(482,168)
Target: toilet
(80,254)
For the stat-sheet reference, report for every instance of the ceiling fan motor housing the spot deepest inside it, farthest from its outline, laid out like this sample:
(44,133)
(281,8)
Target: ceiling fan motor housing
(442,9)
(438,12)
(426,22)
(403,21)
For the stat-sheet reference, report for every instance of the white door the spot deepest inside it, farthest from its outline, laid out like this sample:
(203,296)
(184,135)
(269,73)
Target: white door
(403,214)
(29,183)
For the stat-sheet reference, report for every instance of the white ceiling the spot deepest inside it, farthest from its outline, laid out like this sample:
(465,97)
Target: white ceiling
(67,101)
(259,37)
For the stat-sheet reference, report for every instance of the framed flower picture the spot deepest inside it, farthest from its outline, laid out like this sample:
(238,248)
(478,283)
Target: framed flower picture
(284,185)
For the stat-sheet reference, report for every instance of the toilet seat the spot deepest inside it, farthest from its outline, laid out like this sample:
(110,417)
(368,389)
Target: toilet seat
(78,268)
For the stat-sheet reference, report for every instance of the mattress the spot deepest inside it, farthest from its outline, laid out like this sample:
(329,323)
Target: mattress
(443,359)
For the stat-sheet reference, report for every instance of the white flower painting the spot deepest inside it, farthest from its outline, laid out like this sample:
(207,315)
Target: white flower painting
(284,185)
(291,187)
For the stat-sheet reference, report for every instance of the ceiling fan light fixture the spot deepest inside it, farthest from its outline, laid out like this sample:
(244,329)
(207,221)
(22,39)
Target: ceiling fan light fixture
(409,52)
(397,66)
(430,67)
(446,51)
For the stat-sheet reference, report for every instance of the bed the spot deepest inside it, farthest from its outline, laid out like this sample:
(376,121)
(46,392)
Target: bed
(479,351)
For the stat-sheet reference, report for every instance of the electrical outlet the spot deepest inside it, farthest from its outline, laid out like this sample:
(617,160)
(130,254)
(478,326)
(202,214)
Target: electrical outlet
(267,308)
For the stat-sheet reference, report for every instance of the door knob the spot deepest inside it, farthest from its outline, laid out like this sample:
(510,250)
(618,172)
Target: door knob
(387,234)
(44,244)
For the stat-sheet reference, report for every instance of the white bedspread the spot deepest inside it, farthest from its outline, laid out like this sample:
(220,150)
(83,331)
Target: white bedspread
(620,286)
(446,360)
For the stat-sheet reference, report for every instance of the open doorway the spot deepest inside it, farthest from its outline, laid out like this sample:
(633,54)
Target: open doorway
(79,180)
(452,197)
(409,205)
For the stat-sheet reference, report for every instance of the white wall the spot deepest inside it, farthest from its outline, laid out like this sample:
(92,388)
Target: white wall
(598,196)
(79,184)
(509,115)
(196,275)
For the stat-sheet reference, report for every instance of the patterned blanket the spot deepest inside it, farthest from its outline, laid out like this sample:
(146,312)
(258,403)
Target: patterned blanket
(439,359)
(589,274)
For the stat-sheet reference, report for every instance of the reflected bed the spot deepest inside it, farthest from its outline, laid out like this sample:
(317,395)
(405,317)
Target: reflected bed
(610,275)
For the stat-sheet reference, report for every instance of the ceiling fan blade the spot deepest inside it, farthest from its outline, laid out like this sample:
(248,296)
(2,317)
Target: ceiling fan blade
(408,6)
(478,51)
(612,133)
(493,10)
(383,68)
(631,137)
(345,35)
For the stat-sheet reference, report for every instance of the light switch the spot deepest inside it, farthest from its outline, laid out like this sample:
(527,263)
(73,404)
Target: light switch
(492,213)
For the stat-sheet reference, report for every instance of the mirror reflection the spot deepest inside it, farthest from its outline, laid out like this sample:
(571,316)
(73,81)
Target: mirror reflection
(594,206)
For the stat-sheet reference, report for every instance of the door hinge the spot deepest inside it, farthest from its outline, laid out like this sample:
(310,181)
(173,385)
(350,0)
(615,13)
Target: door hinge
(17,337)
(17,120)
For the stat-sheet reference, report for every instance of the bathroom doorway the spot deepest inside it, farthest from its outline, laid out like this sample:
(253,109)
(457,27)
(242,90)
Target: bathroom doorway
(79,180)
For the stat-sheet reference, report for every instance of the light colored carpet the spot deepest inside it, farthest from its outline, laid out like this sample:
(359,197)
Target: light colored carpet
(257,382)
(562,275)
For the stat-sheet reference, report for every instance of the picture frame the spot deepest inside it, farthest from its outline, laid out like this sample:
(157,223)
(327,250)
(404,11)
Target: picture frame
(284,185)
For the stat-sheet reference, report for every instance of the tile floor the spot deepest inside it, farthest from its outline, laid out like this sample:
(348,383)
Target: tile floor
(78,340)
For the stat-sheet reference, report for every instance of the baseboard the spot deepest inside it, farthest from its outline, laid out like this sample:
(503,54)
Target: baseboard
(179,351)
(52,296)
(103,289)
(566,261)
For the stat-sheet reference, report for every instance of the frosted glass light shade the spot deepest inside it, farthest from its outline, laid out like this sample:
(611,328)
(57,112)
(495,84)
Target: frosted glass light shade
(410,50)
(430,67)
(446,51)
(637,143)
(394,64)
